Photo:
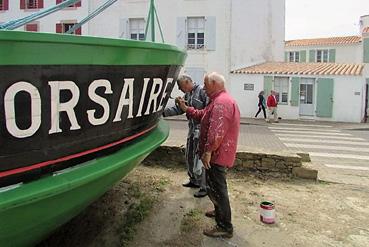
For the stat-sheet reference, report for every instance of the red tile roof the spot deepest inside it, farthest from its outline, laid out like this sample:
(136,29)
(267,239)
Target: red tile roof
(366,30)
(303,69)
(324,41)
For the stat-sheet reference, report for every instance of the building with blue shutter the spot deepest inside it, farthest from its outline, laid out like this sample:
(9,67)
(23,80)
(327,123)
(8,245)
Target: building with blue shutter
(320,79)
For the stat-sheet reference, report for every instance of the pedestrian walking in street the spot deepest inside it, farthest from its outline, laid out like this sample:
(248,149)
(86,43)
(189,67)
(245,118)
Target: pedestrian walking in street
(261,105)
(195,97)
(220,124)
(272,104)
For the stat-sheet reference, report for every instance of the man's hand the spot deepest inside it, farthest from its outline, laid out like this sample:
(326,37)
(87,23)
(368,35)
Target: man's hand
(206,157)
(181,103)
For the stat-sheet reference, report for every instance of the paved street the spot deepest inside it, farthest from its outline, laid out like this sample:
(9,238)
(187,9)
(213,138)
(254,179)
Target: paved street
(339,151)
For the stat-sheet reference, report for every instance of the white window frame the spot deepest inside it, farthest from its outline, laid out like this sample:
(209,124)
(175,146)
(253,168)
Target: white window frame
(322,60)
(281,89)
(197,28)
(137,27)
(294,56)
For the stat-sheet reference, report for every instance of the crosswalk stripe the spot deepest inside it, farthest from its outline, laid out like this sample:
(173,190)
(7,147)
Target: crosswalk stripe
(305,125)
(306,129)
(342,156)
(310,132)
(307,135)
(326,147)
(360,168)
(306,140)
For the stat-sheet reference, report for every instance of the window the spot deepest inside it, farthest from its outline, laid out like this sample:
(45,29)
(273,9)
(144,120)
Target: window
(195,32)
(4,5)
(32,4)
(281,88)
(65,26)
(294,56)
(322,56)
(31,27)
(137,28)
(78,4)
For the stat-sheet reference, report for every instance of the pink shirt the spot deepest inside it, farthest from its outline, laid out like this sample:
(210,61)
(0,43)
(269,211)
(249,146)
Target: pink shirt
(220,124)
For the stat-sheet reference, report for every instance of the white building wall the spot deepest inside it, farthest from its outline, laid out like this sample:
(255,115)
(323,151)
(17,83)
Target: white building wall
(348,107)
(348,98)
(257,33)
(344,53)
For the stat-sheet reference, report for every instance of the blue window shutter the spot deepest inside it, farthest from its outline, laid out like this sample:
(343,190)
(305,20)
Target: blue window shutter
(268,85)
(332,55)
(295,91)
(302,56)
(181,32)
(210,33)
(312,56)
(124,28)
(324,105)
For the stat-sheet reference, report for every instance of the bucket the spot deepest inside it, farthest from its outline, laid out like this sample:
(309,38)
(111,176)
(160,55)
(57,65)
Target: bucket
(267,212)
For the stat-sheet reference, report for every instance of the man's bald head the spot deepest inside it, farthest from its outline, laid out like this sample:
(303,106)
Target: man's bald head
(214,82)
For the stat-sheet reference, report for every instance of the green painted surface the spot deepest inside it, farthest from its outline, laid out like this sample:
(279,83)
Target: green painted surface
(312,56)
(286,57)
(325,97)
(302,56)
(34,209)
(366,50)
(268,85)
(26,48)
(332,55)
(295,91)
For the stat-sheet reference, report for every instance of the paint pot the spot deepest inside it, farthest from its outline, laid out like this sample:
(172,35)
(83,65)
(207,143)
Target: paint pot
(267,212)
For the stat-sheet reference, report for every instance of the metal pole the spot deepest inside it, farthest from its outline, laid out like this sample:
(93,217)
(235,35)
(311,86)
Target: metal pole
(152,20)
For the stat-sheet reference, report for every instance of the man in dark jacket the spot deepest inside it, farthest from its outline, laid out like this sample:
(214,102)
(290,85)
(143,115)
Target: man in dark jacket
(196,97)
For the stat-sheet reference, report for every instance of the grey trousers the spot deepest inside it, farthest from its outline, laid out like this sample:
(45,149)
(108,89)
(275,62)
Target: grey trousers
(196,175)
(218,194)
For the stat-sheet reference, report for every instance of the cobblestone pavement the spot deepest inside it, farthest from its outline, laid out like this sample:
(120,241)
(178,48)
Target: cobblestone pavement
(340,151)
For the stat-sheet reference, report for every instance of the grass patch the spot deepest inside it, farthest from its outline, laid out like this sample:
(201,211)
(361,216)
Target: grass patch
(143,197)
(191,221)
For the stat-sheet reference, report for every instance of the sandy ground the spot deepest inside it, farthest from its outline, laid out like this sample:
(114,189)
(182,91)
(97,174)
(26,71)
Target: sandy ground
(308,213)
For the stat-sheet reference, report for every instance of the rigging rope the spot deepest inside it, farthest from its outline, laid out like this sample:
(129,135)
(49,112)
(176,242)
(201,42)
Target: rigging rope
(107,4)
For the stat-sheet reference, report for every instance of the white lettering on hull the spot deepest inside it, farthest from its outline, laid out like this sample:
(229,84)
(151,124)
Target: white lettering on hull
(99,100)
(126,103)
(68,107)
(9,106)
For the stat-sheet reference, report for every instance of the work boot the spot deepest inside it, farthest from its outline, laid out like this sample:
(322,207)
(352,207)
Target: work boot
(210,214)
(218,232)
(201,193)
(189,184)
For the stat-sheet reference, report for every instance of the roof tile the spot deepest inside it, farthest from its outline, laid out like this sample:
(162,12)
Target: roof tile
(324,41)
(303,69)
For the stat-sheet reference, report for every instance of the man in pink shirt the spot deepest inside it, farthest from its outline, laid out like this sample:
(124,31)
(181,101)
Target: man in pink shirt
(220,123)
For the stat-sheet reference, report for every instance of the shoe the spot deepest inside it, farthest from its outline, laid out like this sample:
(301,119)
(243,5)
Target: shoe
(218,232)
(201,193)
(210,214)
(189,184)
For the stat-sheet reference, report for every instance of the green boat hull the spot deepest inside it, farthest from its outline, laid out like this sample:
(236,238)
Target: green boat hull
(28,213)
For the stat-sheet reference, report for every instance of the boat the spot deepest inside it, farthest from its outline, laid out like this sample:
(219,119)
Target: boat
(77,114)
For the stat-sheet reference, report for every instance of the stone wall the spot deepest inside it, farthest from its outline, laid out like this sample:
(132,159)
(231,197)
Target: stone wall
(270,164)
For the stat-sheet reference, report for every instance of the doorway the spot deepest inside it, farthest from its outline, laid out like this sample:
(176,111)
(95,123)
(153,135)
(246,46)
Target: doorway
(307,96)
